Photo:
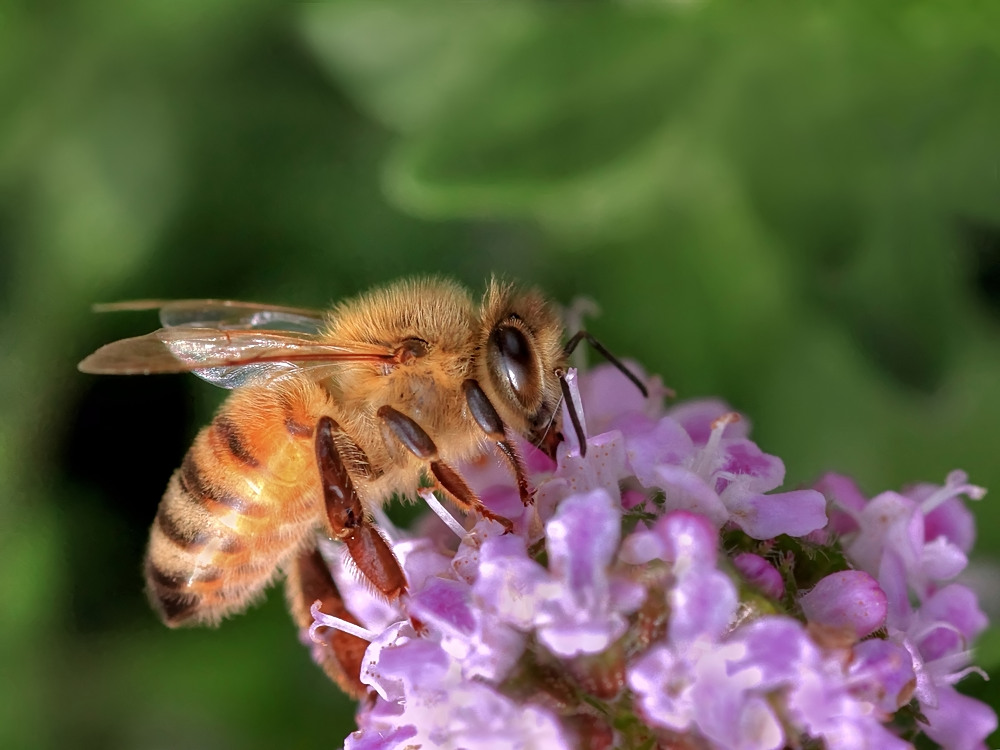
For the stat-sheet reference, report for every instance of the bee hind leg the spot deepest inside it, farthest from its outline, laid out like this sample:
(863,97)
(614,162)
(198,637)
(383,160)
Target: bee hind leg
(348,523)
(419,443)
(340,654)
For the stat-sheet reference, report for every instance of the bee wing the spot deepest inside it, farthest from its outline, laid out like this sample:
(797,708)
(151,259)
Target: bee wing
(224,314)
(227,358)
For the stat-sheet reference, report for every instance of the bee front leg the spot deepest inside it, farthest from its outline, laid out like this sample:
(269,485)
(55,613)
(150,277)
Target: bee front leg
(348,523)
(340,654)
(419,443)
(489,421)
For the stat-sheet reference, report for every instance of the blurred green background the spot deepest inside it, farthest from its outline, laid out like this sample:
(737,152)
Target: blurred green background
(793,206)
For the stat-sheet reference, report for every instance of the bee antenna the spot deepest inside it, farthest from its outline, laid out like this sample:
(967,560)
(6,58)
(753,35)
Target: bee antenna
(573,416)
(580,336)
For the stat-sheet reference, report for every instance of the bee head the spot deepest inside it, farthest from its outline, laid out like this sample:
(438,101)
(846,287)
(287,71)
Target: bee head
(521,356)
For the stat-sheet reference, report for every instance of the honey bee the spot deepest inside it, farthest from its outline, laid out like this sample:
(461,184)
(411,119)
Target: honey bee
(331,415)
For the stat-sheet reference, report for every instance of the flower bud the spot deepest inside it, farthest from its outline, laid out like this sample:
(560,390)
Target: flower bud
(849,599)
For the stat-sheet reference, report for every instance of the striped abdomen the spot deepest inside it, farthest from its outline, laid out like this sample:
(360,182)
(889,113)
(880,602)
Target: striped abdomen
(245,499)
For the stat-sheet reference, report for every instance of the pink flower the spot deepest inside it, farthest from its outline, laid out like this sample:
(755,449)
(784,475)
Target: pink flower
(613,616)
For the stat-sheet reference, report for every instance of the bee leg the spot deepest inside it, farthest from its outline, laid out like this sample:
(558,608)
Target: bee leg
(419,443)
(367,547)
(339,654)
(490,423)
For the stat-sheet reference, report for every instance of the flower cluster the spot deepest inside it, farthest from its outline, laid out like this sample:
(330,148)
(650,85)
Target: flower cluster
(662,593)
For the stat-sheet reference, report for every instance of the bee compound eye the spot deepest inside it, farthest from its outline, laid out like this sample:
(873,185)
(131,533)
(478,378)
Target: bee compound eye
(512,362)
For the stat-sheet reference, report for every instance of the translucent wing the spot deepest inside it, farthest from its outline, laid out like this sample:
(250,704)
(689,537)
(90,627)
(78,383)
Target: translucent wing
(224,314)
(228,358)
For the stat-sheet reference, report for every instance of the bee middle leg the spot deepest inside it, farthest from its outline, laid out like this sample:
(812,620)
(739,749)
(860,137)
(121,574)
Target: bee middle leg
(419,443)
(367,547)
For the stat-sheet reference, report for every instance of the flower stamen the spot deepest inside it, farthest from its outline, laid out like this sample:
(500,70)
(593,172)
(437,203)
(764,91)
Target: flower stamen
(703,463)
(323,620)
(441,512)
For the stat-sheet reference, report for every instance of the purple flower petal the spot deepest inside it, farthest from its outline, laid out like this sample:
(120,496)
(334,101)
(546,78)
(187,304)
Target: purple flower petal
(698,415)
(466,561)
(959,722)
(889,521)
(881,672)
(689,541)
(777,647)
(642,546)
(956,608)
(727,707)
(846,500)
(940,560)
(421,561)
(536,461)
(582,539)
(575,606)
(650,444)
(375,740)
(746,464)
(702,604)
(794,513)
(661,683)
(448,710)
(390,657)
(512,585)
(503,500)
(446,605)
(602,468)
(892,579)
(953,521)
(685,490)
(821,705)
